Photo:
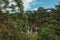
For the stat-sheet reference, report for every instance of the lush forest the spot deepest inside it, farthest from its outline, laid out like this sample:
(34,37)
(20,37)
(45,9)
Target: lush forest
(40,24)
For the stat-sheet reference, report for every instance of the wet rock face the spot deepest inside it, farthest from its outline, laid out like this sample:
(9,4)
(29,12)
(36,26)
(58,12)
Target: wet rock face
(32,29)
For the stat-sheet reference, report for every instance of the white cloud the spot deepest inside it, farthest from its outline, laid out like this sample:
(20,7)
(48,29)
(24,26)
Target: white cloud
(35,9)
(27,4)
(12,3)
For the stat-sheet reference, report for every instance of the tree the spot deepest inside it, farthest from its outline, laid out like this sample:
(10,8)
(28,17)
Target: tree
(20,5)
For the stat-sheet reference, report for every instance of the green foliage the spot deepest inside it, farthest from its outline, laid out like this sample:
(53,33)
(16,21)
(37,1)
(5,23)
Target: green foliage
(46,33)
(43,24)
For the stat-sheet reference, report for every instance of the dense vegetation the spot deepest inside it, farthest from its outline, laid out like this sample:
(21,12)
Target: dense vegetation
(42,24)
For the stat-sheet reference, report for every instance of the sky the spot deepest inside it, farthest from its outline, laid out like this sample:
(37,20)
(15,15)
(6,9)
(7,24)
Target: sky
(34,4)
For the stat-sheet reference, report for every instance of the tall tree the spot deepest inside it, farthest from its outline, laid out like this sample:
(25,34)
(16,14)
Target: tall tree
(20,5)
